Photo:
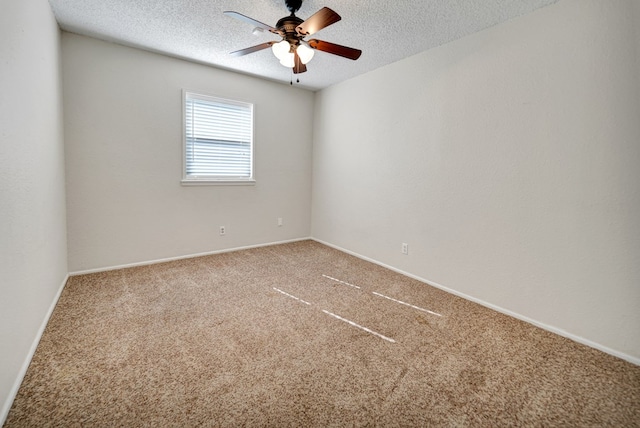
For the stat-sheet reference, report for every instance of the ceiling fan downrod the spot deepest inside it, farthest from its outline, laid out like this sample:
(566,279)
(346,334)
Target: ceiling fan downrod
(293,5)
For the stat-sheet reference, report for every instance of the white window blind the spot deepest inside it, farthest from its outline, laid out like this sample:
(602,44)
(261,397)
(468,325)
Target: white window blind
(218,139)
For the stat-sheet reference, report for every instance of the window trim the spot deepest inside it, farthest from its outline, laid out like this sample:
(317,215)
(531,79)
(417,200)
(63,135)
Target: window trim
(207,181)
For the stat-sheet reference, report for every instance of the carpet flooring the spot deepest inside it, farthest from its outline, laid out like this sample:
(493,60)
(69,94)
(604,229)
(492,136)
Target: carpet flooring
(301,334)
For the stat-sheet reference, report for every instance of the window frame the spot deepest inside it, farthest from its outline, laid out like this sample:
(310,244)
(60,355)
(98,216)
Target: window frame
(209,180)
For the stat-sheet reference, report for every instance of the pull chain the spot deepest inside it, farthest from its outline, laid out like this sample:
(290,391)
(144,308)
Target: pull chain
(291,79)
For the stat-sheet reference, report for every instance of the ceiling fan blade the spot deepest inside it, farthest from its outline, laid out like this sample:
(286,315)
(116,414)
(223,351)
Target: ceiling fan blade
(332,48)
(252,49)
(252,21)
(298,66)
(319,20)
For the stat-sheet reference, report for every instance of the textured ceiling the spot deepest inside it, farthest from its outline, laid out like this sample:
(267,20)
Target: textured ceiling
(385,30)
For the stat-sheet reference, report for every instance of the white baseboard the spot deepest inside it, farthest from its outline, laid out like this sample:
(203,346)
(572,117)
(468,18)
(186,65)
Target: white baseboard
(552,329)
(188,256)
(6,406)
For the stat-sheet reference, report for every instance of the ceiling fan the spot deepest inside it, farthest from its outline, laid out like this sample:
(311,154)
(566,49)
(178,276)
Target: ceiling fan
(293,51)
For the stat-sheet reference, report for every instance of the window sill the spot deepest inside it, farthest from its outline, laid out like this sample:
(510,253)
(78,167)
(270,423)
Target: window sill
(186,182)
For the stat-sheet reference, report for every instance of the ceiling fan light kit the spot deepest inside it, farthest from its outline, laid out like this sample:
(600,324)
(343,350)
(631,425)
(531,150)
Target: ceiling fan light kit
(293,51)
(305,52)
(281,49)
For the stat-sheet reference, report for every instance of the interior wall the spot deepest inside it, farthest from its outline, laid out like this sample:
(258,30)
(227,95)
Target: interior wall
(123,136)
(508,161)
(33,251)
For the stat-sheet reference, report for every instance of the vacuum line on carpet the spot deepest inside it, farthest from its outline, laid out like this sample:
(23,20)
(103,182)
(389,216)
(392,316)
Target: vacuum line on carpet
(407,304)
(292,296)
(386,297)
(341,282)
(360,327)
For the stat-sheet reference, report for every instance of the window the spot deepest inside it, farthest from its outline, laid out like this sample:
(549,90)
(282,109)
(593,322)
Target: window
(218,140)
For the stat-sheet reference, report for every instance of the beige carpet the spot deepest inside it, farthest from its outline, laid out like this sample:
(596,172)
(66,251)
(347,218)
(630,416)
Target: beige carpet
(215,341)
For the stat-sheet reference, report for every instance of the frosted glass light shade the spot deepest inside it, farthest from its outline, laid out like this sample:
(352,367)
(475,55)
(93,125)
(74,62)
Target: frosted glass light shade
(281,49)
(287,60)
(305,52)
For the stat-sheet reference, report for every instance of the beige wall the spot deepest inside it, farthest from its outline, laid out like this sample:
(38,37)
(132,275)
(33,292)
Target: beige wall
(33,250)
(508,161)
(123,136)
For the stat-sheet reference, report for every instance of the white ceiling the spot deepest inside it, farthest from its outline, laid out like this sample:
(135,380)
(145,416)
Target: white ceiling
(385,30)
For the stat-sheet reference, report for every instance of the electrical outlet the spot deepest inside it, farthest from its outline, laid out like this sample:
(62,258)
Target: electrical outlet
(223,230)
(279,221)
(405,248)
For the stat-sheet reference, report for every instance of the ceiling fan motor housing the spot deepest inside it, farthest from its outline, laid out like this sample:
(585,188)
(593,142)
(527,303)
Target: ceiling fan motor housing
(288,26)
